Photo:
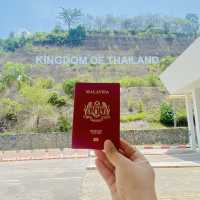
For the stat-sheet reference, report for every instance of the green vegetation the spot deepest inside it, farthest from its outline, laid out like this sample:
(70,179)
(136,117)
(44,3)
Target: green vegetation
(138,105)
(64,124)
(12,43)
(162,65)
(9,108)
(132,117)
(80,25)
(13,72)
(54,38)
(181,118)
(166,114)
(76,36)
(68,86)
(151,80)
(153,116)
(165,62)
(36,101)
(70,16)
(41,99)
(57,100)
(45,83)
(132,82)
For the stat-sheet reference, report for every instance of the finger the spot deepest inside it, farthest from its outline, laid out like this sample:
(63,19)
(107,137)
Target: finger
(102,156)
(130,151)
(127,149)
(112,153)
(105,172)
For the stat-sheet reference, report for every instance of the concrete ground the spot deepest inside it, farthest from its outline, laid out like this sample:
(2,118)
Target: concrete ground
(68,179)
(42,180)
(171,183)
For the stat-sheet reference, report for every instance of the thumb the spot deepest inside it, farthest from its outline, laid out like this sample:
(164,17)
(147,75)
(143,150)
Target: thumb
(111,153)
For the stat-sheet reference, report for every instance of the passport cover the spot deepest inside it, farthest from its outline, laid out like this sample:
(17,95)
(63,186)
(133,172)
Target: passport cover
(96,116)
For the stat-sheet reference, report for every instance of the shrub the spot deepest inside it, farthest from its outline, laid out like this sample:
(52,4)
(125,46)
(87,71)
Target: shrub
(165,62)
(61,101)
(13,43)
(152,80)
(76,36)
(10,108)
(132,82)
(53,98)
(166,114)
(68,86)
(181,118)
(53,38)
(153,115)
(45,83)
(39,38)
(149,80)
(132,117)
(56,39)
(56,100)
(64,124)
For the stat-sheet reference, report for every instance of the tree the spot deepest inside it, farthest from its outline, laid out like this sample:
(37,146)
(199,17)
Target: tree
(14,72)
(36,100)
(76,36)
(194,20)
(9,108)
(70,16)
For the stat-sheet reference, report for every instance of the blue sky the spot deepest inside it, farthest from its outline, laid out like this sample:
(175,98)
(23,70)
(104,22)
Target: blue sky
(40,15)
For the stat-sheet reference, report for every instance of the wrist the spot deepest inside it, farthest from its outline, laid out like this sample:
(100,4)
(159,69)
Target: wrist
(143,195)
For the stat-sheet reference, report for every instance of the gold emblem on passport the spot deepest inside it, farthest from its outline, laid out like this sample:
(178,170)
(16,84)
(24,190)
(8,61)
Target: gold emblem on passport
(96,111)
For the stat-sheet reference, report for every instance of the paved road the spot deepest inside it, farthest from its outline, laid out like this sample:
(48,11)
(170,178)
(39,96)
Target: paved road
(42,180)
(172,184)
(69,180)
(178,157)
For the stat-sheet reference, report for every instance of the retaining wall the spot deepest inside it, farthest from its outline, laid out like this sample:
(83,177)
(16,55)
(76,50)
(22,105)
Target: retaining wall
(63,140)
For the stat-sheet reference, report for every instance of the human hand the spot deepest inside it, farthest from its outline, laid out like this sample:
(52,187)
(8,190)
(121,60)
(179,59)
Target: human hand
(127,173)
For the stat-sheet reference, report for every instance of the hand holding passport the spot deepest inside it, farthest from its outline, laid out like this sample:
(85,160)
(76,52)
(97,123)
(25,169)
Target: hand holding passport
(96,115)
(96,119)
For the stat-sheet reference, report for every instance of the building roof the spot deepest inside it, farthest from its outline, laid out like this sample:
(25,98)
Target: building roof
(183,75)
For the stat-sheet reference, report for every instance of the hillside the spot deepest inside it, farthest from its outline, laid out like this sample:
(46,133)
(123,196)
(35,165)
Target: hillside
(141,90)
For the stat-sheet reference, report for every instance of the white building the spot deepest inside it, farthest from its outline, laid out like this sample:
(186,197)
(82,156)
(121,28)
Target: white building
(182,77)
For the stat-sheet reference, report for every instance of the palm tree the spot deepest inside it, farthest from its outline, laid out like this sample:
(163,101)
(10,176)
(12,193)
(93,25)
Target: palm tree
(70,16)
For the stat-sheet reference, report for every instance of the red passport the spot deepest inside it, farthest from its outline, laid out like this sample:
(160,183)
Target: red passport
(96,115)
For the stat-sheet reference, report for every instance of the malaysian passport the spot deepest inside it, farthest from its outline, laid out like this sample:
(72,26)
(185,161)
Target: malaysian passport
(96,116)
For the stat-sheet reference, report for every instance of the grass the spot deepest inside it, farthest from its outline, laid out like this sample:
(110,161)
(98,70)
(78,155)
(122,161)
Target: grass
(156,125)
(132,117)
(150,80)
